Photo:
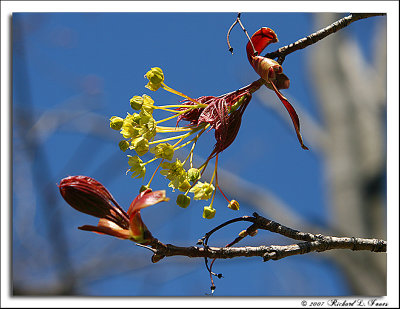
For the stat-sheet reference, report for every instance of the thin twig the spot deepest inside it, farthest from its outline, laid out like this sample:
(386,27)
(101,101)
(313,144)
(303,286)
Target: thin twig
(245,31)
(313,38)
(229,33)
(312,242)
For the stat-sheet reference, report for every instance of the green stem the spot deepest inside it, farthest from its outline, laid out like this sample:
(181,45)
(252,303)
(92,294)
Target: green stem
(165,87)
(170,138)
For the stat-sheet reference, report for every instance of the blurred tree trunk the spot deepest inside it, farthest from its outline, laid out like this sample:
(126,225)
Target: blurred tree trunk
(351,96)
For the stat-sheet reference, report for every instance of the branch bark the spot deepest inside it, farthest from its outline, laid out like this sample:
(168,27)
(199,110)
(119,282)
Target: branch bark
(282,52)
(311,242)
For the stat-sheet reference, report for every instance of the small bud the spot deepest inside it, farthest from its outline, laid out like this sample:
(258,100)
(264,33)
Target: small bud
(157,257)
(116,122)
(243,233)
(253,233)
(136,102)
(183,200)
(208,212)
(234,205)
(193,174)
(123,145)
(155,75)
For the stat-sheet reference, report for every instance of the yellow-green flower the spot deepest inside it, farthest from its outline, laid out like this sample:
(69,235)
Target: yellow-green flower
(202,191)
(208,212)
(136,102)
(163,150)
(184,184)
(193,174)
(141,145)
(129,131)
(138,169)
(176,174)
(148,127)
(148,103)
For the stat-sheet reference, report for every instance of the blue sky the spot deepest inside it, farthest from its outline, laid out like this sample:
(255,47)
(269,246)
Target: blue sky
(93,63)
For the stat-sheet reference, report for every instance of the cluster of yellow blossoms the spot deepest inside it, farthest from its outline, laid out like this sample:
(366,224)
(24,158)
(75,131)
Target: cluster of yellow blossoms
(139,130)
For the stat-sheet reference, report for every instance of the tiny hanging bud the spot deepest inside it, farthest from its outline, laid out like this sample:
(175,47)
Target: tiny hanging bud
(234,205)
(116,122)
(208,212)
(193,174)
(136,102)
(183,200)
(123,145)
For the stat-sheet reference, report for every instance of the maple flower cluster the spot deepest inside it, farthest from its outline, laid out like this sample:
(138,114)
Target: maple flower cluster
(139,130)
(223,114)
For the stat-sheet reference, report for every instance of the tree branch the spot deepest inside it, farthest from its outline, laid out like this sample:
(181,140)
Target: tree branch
(282,52)
(312,242)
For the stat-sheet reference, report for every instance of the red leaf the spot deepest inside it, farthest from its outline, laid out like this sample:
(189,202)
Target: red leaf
(261,39)
(292,113)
